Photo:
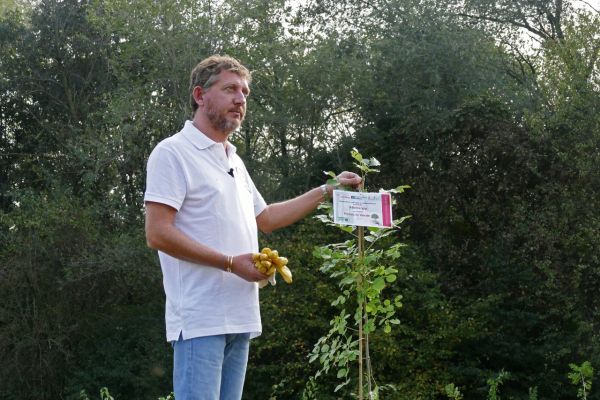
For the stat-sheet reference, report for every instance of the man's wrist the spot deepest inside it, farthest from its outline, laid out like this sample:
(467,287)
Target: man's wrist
(325,191)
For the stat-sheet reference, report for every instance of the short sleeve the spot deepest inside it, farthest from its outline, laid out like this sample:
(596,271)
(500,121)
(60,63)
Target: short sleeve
(165,178)
(259,202)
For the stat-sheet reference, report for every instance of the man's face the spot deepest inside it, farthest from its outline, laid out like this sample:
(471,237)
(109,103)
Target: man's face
(225,102)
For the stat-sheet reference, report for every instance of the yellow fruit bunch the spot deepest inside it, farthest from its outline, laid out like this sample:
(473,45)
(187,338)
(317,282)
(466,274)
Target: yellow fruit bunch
(268,261)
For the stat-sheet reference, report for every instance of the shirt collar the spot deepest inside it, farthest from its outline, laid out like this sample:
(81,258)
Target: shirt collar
(200,140)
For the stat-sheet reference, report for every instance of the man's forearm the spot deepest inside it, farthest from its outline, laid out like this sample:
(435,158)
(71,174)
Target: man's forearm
(163,235)
(279,215)
(175,243)
(282,214)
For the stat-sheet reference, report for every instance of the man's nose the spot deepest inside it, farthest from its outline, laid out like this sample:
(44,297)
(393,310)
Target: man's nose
(239,98)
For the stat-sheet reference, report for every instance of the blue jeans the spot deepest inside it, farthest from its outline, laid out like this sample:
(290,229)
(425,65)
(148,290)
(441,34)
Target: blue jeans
(210,367)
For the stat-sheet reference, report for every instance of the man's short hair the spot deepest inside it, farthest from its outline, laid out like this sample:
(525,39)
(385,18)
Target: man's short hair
(205,73)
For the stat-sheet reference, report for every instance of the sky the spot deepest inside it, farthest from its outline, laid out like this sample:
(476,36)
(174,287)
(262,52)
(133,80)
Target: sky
(589,4)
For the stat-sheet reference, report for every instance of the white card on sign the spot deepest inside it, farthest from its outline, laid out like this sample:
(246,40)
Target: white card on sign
(362,209)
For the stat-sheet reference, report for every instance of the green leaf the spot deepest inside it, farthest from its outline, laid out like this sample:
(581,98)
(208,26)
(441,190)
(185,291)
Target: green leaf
(347,280)
(340,300)
(362,167)
(322,218)
(342,373)
(331,174)
(378,284)
(341,385)
(370,326)
(356,155)
(399,189)
(398,221)
(346,228)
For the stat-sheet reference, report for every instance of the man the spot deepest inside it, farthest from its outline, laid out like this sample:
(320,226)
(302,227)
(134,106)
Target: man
(202,215)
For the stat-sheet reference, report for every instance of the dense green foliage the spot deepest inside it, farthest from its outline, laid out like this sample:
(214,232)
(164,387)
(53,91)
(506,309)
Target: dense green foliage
(499,141)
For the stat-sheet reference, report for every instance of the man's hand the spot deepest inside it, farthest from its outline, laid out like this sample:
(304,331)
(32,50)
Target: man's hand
(346,178)
(243,266)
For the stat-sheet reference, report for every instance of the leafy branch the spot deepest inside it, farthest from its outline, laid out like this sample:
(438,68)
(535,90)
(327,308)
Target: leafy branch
(581,376)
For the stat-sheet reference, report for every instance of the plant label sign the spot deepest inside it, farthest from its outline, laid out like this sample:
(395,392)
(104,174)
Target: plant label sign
(362,209)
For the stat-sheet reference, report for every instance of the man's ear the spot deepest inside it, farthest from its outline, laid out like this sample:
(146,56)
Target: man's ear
(198,94)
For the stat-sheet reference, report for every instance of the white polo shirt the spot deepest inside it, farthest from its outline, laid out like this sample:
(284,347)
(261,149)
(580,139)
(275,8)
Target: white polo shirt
(189,172)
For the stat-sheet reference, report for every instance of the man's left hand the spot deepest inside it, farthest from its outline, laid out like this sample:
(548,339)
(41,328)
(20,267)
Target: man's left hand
(348,179)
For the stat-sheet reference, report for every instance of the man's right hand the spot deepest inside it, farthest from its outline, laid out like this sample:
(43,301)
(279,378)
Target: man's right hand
(244,267)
